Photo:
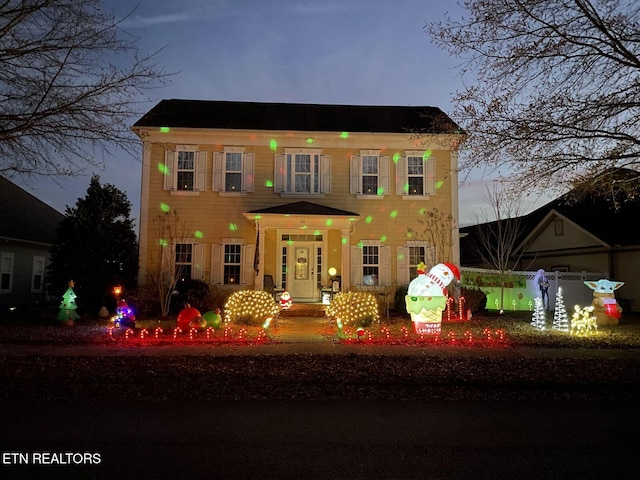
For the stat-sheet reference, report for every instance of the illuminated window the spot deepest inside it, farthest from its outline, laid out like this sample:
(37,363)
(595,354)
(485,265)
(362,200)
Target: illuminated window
(370,269)
(37,274)
(233,171)
(302,172)
(185,169)
(415,174)
(369,174)
(6,272)
(232,264)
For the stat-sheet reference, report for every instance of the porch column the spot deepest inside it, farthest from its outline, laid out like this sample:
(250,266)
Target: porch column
(345,268)
(259,281)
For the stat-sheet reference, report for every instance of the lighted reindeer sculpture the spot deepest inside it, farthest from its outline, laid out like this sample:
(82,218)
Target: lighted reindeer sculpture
(605,307)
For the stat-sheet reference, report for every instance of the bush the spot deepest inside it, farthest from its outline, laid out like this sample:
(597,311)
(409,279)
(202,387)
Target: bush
(355,309)
(474,299)
(250,307)
(196,293)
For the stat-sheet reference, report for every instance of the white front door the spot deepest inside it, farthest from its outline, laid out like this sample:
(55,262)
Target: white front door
(302,276)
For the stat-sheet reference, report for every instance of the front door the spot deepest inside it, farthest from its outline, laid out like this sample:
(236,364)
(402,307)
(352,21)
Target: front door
(303,272)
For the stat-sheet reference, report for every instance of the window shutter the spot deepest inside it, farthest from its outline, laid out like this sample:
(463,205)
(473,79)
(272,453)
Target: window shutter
(279,174)
(247,273)
(325,171)
(248,160)
(384,174)
(198,261)
(430,176)
(170,168)
(218,186)
(216,264)
(402,266)
(201,171)
(356,183)
(356,266)
(385,266)
(401,175)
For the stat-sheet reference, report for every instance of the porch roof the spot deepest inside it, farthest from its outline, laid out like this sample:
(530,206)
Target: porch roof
(302,215)
(304,208)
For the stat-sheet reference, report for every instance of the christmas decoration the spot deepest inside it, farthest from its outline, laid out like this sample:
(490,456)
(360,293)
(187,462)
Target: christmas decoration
(353,309)
(213,319)
(285,300)
(583,323)
(67,314)
(605,307)
(426,296)
(250,307)
(560,317)
(185,316)
(538,321)
(124,316)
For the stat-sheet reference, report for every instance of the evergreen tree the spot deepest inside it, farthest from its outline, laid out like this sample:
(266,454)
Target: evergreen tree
(560,317)
(538,321)
(68,305)
(97,246)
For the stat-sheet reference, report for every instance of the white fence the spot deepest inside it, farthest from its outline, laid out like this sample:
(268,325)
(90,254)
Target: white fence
(520,291)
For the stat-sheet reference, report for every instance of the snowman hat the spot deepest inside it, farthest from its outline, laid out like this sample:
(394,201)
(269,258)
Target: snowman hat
(453,269)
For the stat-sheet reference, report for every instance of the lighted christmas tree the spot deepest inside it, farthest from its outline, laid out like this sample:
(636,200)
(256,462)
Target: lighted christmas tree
(538,321)
(68,306)
(560,317)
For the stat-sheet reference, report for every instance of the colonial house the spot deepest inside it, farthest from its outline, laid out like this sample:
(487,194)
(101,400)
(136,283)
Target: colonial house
(27,232)
(295,197)
(572,239)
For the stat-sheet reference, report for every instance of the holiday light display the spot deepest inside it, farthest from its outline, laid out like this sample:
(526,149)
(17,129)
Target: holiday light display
(560,317)
(124,316)
(213,318)
(68,314)
(354,309)
(186,316)
(605,307)
(538,320)
(583,322)
(250,307)
(285,300)
(426,297)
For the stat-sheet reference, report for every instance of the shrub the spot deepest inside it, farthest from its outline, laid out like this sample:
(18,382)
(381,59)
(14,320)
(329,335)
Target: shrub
(196,293)
(250,307)
(475,299)
(356,309)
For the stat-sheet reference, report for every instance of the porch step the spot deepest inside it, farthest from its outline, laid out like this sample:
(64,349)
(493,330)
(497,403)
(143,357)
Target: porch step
(304,310)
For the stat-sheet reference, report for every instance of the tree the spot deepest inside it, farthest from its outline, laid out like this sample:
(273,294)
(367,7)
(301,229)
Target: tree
(494,242)
(96,246)
(554,90)
(69,82)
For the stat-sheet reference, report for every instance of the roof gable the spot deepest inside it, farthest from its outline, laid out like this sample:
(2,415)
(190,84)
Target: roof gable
(304,208)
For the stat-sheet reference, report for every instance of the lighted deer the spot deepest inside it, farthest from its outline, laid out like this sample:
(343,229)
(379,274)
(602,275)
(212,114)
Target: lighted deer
(605,307)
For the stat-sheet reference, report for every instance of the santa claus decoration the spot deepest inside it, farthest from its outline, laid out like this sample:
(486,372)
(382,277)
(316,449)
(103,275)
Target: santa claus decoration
(285,300)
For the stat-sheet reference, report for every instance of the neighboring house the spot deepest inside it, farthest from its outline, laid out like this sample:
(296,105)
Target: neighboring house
(590,235)
(27,232)
(314,187)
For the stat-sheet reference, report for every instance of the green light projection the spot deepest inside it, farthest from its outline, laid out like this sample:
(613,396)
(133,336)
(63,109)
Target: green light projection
(163,169)
(164,129)
(426,155)
(273,144)
(163,243)
(344,135)
(268,184)
(329,222)
(396,157)
(165,208)
(233,227)
(198,234)
(309,141)
(380,191)
(344,241)
(393,214)
(439,184)
(369,219)
(383,238)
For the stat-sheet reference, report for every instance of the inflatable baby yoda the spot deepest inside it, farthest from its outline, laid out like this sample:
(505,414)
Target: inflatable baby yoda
(426,296)
(605,307)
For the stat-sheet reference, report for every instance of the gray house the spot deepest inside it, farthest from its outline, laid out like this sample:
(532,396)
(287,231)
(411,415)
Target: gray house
(27,231)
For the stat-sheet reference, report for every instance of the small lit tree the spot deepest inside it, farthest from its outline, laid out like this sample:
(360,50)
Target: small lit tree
(538,321)
(560,317)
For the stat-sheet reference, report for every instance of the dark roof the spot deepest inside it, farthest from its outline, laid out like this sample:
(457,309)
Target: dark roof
(304,208)
(611,224)
(296,116)
(24,217)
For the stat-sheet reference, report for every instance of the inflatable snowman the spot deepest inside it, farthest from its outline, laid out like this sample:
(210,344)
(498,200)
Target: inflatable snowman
(426,296)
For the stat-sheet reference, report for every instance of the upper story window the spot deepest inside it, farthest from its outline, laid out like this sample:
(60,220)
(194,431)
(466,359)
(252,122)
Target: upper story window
(302,172)
(233,170)
(185,169)
(369,174)
(415,174)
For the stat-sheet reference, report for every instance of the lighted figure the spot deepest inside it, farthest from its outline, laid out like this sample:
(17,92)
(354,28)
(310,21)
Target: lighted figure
(124,315)
(543,285)
(582,322)
(605,307)
(67,314)
(285,300)
(426,296)
(186,315)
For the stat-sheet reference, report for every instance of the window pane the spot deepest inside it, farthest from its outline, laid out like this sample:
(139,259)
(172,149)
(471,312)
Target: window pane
(232,258)
(415,166)
(185,174)
(5,281)
(416,186)
(370,165)
(233,182)
(184,255)
(303,183)
(234,162)
(303,163)
(370,185)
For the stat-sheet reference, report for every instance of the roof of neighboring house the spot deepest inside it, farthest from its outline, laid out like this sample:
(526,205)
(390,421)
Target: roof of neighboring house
(304,208)
(610,224)
(24,217)
(297,116)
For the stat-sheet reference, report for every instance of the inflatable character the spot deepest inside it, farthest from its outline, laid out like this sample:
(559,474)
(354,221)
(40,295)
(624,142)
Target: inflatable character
(285,300)
(605,307)
(426,296)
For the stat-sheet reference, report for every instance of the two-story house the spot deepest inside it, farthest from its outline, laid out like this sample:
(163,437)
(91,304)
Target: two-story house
(301,194)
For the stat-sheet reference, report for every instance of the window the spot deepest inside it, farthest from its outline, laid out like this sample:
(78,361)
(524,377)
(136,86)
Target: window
(416,255)
(232,265)
(185,169)
(558,227)
(37,275)
(370,264)
(369,174)
(408,257)
(305,172)
(184,260)
(415,174)
(6,272)
(233,171)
